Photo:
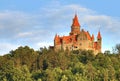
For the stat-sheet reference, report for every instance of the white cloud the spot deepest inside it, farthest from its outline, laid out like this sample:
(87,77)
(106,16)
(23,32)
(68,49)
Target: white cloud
(7,47)
(36,28)
(24,34)
(108,25)
(78,8)
(44,44)
(12,23)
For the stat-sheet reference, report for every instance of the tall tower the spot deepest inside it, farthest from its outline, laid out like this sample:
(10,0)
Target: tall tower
(56,40)
(75,28)
(99,40)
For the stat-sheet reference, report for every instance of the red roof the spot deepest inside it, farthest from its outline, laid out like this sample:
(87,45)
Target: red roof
(66,39)
(57,39)
(72,38)
(69,39)
(88,35)
(75,21)
(92,37)
(99,35)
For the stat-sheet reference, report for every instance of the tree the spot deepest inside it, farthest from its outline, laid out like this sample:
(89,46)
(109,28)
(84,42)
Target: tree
(105,74)
(90,71)
(64,78)
(6,71)
(79,77)
(107,52)
(78,68)
(9,73)
(111,72)
(116,49)
(25,56)
(25,64)
(26,74)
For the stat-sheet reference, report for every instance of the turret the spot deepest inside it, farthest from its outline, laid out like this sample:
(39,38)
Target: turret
(56,39)
(56,36)
(92,37)
(99,36)
(75,28)
(99,40)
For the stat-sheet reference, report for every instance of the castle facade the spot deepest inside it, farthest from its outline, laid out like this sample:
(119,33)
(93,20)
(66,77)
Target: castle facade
(78,39)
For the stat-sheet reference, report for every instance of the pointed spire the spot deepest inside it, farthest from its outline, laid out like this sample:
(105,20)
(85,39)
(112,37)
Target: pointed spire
(56,36)
(92,37)
(88,35)
(75,21)
(99,35)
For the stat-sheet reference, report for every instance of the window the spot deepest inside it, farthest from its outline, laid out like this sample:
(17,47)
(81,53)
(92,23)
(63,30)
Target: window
(75,47)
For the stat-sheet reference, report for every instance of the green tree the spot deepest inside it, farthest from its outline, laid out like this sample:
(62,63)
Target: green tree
(79,77)
(106,77)
(116,49)
(64,78)
(26,74)
(6,71)
(111,73)
(90,71)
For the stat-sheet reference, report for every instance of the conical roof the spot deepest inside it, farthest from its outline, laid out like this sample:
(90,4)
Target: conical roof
(99,35)
(75,21)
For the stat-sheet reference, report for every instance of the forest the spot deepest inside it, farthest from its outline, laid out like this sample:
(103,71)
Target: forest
(26,64)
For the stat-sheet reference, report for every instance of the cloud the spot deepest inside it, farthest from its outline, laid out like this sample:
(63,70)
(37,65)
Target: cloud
(7,47)
(24,34)
(63,15)
(42,44)
(89,19)
(38,29)
(13,22)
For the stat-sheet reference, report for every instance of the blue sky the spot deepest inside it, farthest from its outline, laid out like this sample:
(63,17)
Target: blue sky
(35,22)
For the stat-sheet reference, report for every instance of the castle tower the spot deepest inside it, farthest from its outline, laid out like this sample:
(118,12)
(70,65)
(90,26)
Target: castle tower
(75,28)
(57,44)
(93,41)
(56,40)
(92,37)
(99,40)
(78,39)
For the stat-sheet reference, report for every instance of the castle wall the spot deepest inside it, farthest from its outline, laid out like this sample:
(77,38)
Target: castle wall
(57,47)
(67,46)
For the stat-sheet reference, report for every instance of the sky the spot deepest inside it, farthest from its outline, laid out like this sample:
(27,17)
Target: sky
(35,22)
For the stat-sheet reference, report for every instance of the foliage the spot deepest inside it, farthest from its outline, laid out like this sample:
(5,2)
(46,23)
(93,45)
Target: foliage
(116,49)
(26,64)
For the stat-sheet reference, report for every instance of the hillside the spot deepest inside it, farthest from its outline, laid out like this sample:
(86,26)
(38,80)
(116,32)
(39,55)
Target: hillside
(26,64)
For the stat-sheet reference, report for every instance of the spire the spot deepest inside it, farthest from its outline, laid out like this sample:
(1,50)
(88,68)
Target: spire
(92,37)
(88,35)
(75,28)
(99,35)
(75,21)
(56,37)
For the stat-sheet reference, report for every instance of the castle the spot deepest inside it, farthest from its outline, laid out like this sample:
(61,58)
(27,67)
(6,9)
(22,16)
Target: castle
(78,39)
